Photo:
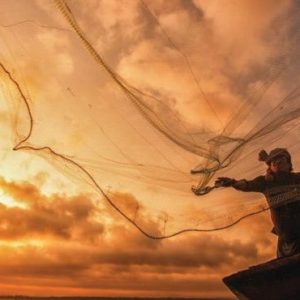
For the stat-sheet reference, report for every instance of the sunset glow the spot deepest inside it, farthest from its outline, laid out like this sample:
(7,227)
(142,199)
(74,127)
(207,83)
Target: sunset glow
(106,106)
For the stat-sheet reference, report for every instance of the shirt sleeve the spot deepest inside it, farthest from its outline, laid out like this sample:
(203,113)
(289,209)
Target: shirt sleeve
(257,184)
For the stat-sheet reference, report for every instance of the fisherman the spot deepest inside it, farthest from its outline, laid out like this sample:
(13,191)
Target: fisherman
(281,188)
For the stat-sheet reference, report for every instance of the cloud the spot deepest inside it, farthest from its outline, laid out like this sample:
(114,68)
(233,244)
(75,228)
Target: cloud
(115,259)
(230,48)
(58,215)
(68,243)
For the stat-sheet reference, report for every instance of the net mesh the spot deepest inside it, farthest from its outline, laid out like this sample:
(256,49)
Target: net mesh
(144,100)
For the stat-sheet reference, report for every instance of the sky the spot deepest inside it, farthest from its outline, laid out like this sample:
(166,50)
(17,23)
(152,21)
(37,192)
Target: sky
(194,64)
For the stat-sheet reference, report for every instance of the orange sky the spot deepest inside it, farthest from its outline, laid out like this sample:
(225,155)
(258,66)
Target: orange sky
(54,246)
(201,59)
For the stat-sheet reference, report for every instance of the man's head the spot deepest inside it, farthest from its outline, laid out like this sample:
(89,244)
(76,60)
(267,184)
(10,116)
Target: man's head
(278,160)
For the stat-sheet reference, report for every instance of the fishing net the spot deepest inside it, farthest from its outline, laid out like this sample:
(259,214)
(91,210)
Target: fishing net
(144,100)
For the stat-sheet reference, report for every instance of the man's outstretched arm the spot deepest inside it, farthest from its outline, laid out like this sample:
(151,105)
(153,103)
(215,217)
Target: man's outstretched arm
(255,185)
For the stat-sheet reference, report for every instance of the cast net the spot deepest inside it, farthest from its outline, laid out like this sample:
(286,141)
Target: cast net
(144,100)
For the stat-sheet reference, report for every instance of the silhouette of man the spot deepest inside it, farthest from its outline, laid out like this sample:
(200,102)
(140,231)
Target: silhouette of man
(281,188)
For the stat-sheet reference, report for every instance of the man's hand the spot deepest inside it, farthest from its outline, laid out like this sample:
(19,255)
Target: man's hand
(225,181)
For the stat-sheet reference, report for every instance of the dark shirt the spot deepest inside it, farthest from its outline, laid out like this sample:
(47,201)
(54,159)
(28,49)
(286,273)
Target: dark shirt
(283,196)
